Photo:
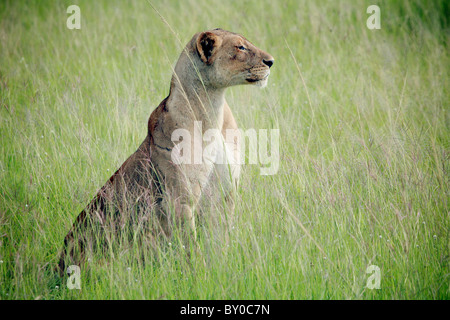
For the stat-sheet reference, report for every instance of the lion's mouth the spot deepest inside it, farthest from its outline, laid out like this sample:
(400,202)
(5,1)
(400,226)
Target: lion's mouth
(253,80)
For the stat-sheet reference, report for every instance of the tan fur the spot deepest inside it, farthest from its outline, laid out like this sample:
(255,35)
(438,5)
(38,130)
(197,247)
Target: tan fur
(149,191)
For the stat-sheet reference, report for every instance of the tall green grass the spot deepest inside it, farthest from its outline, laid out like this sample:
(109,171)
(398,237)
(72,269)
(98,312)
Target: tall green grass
(364,147)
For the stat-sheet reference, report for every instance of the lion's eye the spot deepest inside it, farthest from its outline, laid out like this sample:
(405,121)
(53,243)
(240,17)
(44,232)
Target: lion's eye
(242,48)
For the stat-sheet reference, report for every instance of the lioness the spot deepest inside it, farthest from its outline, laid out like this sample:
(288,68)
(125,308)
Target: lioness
(151,192)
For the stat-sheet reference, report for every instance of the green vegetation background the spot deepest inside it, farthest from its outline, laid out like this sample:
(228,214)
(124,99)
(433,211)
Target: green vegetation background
(363,176)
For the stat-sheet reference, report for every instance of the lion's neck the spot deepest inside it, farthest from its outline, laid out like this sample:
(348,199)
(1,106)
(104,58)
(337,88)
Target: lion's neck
(192,101)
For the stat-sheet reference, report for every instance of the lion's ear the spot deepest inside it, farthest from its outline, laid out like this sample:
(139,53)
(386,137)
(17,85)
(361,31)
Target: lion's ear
(207,45)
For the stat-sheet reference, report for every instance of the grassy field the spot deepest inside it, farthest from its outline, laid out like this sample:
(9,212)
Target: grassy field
(364,147)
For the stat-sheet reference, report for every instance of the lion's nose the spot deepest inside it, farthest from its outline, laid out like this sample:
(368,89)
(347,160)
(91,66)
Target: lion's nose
(268,63)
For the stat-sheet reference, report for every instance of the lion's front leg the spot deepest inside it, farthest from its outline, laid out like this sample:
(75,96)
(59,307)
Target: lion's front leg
(182,191)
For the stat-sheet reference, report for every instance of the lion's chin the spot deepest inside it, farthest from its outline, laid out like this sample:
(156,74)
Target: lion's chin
(262,83)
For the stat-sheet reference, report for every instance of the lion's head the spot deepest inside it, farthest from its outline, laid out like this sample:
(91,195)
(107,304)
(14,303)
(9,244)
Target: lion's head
(225,59)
